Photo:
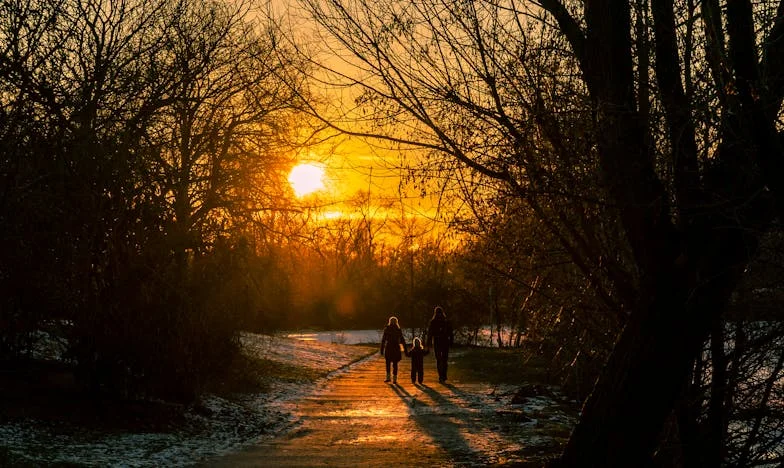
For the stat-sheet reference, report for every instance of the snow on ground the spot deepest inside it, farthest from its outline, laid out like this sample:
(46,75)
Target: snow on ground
(485,336)
(312,350)
(340,336)
(215,427)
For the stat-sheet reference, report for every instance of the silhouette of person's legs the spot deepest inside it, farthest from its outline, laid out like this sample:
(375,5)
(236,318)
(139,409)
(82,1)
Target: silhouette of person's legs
(417,372)
(442,357)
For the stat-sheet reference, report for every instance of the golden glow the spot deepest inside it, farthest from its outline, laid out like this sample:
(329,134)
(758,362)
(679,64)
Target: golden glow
(352,182)
(307,178)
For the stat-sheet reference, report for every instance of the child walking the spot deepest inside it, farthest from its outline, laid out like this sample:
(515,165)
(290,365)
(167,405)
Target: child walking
(417,354)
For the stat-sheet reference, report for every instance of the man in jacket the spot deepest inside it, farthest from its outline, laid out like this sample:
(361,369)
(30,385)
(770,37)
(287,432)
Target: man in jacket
(440,337)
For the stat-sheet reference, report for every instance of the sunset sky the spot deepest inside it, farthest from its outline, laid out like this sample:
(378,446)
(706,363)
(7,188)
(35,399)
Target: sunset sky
(355,166)
(353,169)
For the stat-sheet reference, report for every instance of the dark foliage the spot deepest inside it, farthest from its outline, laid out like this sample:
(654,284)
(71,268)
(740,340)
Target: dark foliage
(124,192)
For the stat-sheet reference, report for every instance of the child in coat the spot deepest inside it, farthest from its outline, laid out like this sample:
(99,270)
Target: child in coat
(417,354)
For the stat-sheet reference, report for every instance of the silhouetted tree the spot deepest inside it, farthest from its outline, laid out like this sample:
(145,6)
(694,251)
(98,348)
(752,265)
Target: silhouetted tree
(143,140)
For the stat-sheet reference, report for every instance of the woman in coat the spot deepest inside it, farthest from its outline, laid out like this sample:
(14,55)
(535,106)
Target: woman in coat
(391,342)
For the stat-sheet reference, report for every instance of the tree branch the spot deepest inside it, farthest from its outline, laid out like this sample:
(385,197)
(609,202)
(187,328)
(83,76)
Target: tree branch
(772,65)
(571,29)
(680,126)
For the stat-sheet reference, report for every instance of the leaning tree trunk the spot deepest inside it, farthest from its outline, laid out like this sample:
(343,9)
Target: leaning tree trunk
(717,409)
(622,419)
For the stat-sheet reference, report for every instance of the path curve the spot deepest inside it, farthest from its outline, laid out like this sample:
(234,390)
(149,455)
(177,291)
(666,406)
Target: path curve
(356,419)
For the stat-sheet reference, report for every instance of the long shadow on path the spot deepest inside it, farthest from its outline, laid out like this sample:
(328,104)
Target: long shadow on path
(442,420)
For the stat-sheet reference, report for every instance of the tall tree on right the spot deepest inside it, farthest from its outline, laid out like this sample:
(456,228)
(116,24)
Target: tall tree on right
(692,244)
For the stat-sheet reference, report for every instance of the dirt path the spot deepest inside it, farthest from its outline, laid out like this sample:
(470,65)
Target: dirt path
(358,420)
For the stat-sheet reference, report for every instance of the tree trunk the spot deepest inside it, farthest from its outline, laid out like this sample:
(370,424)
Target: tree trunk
(688,412)
(622,419)
(717,414)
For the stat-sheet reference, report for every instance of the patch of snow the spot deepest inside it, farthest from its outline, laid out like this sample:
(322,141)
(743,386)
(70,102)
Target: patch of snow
(537,404)
(339,336)
(48,346)
(315,355)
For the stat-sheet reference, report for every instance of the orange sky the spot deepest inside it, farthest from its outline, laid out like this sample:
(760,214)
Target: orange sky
(353,165)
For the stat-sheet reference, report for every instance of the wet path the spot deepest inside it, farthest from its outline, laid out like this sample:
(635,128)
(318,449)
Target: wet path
(358,420)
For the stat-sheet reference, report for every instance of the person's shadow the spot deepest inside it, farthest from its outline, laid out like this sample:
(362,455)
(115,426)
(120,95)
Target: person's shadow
(441,419)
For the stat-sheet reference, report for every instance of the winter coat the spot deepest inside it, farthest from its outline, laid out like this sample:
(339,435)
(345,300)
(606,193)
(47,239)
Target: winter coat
(439,333)
(417,356)
(390,343)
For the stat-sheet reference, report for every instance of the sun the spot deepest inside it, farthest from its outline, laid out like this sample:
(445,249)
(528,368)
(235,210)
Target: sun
(306,178)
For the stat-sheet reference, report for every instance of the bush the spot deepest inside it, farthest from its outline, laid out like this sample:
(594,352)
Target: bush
(160,335)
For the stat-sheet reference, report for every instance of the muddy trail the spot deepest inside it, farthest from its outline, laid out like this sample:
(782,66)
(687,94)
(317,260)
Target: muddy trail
(356,419)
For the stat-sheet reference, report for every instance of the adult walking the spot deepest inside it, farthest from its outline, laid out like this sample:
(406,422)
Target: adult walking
(440,337)
(392,342)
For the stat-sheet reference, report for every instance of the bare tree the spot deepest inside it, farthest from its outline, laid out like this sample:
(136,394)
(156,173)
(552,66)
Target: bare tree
(138,130)
(223,137)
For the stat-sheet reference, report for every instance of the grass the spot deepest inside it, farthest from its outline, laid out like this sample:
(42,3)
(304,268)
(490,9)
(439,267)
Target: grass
(247,374)
(496,366)
(549,425)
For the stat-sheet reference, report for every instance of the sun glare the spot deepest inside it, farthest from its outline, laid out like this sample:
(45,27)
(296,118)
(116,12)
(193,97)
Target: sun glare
(307,178)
